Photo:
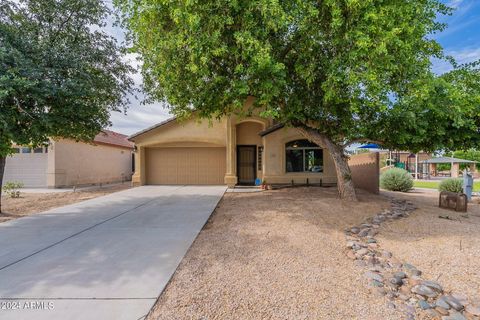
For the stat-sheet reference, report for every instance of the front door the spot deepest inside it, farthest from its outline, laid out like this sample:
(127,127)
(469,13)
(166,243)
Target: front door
(246,164)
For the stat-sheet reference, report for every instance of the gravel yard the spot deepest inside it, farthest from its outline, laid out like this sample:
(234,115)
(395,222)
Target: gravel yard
(447,250)
(31,203)
(275,255)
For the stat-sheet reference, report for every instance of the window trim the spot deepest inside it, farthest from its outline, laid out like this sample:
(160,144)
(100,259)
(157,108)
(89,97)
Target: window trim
(303,149)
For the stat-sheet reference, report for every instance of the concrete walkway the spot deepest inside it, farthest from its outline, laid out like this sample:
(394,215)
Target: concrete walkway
(105,258)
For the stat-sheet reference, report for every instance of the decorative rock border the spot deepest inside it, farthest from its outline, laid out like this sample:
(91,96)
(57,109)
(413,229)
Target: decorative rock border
(402,283)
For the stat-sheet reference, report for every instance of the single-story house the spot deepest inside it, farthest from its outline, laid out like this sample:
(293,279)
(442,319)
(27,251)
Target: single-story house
(228,151)
(65,163)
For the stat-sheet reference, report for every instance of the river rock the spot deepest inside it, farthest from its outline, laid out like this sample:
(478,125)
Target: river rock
(424,305)
(442,303)
(355,230)
(374,276)
(360,253)
(424,291)
(364,232)
(442,311)
(432,284)
(453,302)
(396,281)
(400,275)
(351,255)
(376,283)
(461,298)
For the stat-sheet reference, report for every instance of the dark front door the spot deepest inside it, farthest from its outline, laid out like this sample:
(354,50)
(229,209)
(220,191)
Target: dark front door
(246,164)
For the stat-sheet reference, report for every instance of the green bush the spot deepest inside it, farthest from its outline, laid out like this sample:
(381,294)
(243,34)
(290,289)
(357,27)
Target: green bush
(396,179)
(11,188)
(452,185)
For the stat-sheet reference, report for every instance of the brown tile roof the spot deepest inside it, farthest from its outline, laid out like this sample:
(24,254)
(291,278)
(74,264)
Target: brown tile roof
(113,138)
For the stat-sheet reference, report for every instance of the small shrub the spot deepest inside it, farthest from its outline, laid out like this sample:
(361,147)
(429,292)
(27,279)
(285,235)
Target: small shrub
(11,188)
(396,179)
(452,185)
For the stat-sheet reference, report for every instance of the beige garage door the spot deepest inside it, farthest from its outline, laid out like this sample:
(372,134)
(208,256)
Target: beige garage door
(185,165)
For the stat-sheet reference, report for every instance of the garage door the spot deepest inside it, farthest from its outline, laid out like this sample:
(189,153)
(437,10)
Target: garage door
(185,165)
(29,169)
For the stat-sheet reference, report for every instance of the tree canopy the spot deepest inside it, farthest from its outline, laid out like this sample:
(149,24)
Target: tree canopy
(341,71)
(60,75)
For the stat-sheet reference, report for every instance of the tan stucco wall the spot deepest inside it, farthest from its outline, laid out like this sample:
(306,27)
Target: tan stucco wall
(275,167)
(189,133)
(365,169)
(75,163)
(230,132)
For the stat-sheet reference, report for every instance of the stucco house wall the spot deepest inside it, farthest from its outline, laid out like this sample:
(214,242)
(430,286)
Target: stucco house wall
(65,163)
(229,132)
(275,169)
(75,163)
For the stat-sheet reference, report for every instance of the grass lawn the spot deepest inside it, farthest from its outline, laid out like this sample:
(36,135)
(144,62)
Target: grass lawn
(434,185)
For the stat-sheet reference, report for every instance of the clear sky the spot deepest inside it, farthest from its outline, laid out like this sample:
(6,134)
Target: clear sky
(461,39)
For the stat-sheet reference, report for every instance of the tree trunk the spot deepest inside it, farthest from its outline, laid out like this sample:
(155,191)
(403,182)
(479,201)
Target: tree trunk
(346,188)
(2,170)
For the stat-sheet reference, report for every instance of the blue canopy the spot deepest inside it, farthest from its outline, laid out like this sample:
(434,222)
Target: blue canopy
(370,146)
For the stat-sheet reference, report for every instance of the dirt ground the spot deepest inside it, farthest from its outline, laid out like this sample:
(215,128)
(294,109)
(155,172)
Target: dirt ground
(275,255)
(447,250)
(31,203)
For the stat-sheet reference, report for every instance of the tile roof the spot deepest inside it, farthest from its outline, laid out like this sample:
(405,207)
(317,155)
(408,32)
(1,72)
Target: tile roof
(113,138)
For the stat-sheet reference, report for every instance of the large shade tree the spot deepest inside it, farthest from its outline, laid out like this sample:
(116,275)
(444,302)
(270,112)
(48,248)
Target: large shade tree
(340,71)
(60,75)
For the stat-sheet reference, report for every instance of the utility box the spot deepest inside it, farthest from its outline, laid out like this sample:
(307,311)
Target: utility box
(468,185)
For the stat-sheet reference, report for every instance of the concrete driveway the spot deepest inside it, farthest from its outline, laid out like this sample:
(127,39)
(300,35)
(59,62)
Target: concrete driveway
(105,258)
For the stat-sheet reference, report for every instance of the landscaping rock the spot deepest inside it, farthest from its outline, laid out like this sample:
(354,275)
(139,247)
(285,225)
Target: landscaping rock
(376,283)
(424,305)
(351,255)
(432,284)
(400,275)
(371,240)
(360,253)
(442,311)
(424,291)
(461,298)
(414,272)
(374,276)
(396,281)
(453,302)
(355,230)
(442,303)
(364,232)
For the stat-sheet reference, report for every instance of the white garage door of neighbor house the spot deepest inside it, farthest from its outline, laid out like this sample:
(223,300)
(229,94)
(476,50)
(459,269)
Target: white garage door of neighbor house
(185,165)
(28,168)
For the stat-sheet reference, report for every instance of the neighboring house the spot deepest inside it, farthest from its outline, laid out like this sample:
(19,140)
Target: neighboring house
(229,151)
(67,163)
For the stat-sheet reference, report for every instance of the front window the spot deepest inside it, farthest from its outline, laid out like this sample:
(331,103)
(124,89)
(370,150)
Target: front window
(303,156)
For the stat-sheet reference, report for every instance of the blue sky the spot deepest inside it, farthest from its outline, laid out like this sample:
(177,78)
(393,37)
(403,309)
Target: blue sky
(461,39)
